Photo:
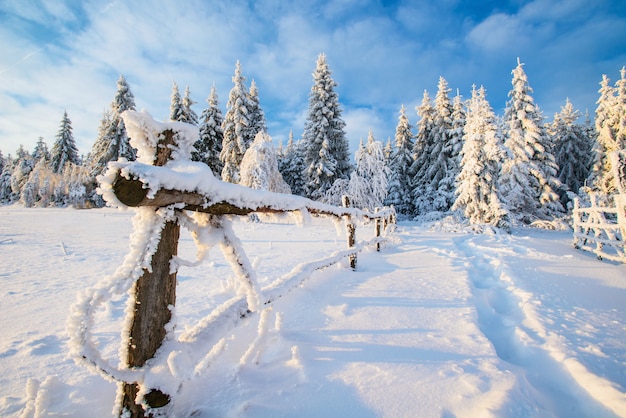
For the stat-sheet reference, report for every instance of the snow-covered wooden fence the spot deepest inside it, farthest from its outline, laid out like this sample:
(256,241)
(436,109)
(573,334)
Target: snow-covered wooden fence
(168,191)
(601,228)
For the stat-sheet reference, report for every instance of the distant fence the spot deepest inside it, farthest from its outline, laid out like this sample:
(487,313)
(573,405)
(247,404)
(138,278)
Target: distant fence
(601,229)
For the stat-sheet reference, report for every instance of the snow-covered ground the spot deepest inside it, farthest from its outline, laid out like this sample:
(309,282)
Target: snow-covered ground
(438,324)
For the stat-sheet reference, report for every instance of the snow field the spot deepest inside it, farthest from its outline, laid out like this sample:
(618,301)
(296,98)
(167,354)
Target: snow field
(438,324)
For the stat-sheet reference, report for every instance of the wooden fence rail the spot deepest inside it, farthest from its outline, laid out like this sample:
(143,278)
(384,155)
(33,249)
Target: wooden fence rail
(601,229)
(154,181)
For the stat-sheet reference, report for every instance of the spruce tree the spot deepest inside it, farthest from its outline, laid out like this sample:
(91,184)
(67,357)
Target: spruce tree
(326,149)
(64,150)
(291,165)
(257,116)
(572,149)
(528,181)
(187,114)
(477,195)
(112,142)
(41,151)
(236,128)
(259,167)
(210,135)
(421,189)
(400,162)
(176,104)
(443,166)
(610,124)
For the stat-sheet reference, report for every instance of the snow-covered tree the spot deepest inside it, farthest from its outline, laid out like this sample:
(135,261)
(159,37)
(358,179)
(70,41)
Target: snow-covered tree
(257,116)
(400,162)
(259,168)
(291,165)
(112,142)
(421,189)
(528,179)
(236,127)
(367,186)
(64,150)
(572,150)
(6,193)
(477,195)
(41,151)
(188,115)
(210,135)
(176,103)
(326,149)
(22,166)
(610,127)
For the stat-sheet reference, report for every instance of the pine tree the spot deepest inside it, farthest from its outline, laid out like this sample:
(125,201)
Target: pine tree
(291,165)
(210,136)
(528,181)
(41,151)
(421,189)
(367,186)
(112,142)
(187,114)
(257,116)
(573,150)
(64,150)
(399,166)
(259,167)
(611,132)
(477,194)
(236,127)
(176,104)
(369,181)
(326,149)
(22,167)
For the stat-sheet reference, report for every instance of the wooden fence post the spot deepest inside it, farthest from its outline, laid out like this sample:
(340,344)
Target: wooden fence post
(377,226)
(351,232)
(155,291)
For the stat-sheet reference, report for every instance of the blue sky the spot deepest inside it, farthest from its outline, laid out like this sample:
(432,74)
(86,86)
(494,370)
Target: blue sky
(67,55)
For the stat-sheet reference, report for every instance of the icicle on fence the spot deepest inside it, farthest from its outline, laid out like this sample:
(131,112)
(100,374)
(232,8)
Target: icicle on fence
(164,185)
(601,229)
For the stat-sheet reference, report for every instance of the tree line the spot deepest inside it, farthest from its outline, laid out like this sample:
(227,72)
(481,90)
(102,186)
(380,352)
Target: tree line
(459,157)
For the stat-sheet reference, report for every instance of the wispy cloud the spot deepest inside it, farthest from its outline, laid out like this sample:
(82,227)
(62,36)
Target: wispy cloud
(60,55)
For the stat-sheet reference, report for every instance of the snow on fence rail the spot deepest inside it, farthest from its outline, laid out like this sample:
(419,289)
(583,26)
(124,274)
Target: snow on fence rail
(168,191)
(601,229)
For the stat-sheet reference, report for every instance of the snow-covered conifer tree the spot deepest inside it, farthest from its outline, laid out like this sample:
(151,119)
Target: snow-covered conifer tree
(210,135)
(421,190)
(176,104)
(64,150)
(443,168)
(22,167)
(528,179)
(188,115)
(259,168)
(400,162)
(367,186)
(291,165)
(388,151)
(112,142)
(477,183)
(326,149)
(236,127)
(257,116)
(611,132)
(572,150)
(41,151)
